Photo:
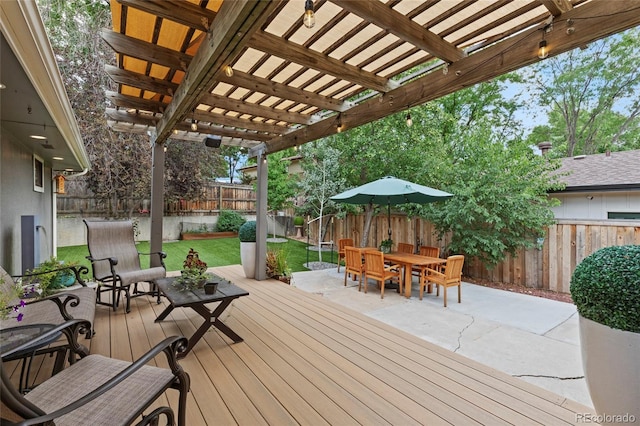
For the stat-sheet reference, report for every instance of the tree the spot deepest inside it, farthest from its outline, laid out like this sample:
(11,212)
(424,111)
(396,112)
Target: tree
(233,155)
(591,96)
(188,166)
(388,147)
(281,187)
(500,187)
(320,181)
(120,162)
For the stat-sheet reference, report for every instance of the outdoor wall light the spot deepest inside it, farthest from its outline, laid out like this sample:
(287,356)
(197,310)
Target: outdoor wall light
(309,18)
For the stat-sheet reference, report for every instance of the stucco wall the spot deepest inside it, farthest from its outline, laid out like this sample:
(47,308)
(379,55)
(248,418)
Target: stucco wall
(18,198)
(73,232)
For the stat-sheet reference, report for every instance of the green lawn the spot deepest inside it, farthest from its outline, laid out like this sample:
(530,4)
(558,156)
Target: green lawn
(215,252)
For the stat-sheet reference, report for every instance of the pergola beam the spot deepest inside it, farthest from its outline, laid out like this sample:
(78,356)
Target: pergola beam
(591,21)
(294,52)
(232,29)
(404,28)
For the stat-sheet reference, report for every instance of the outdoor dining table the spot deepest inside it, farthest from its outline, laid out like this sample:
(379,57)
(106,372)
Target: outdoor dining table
(408,261)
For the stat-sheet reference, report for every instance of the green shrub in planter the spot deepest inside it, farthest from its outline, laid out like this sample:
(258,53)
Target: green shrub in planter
(247,232)
(298,221)
(605,287)
(229,221)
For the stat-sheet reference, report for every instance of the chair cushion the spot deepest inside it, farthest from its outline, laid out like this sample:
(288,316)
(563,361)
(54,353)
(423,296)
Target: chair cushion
(114,407)
(142,275)
(47,312)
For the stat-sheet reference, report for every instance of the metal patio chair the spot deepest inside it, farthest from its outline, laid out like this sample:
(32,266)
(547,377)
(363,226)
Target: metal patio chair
(115,261)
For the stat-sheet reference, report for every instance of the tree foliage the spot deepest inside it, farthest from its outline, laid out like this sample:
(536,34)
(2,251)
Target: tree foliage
(188,166)
(120,162)
(591,97)
(281,186)
(233,156)
(468,144)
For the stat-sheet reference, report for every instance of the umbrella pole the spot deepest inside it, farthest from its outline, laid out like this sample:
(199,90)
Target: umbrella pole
(389,219)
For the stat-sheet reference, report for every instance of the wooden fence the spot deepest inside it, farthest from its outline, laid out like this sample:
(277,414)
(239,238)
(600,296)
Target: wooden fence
(216,197)
(549,267)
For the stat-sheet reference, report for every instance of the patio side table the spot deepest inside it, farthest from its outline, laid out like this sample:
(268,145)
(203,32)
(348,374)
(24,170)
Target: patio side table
(197,300)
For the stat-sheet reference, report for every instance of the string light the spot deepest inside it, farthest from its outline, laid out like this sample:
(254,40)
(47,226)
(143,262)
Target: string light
(409,120)
(543,50)
(228,71)
(309,18)
(339,126)
(445,68)
(194,124)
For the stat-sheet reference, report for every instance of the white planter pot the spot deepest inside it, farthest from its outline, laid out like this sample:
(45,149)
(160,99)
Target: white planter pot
(611,361)
(248,258)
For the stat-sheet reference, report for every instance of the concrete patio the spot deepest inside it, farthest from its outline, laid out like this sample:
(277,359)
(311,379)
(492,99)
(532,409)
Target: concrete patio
(528,337)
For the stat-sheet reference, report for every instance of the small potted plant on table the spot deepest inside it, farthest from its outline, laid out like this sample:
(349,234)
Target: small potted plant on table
(194,273)
(605,287)
(385,245)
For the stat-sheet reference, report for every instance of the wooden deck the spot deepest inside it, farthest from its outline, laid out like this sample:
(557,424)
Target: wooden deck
(308,361)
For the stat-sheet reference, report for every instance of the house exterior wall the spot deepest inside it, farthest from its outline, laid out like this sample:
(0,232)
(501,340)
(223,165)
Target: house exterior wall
(595,205)
(18,198)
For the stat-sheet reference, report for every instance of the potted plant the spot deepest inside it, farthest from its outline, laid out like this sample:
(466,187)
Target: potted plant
(194,272)
(385,245)
(51,275)
(298,221)
(247,235)
(277,266)
(605,287)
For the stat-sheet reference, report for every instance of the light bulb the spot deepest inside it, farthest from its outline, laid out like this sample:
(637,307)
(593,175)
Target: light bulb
(309,18)
(339,127)
(194,125)
(543,51)
(445,68)
(228,71)
(409,120)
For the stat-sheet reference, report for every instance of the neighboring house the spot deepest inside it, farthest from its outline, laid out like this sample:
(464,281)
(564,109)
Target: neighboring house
(295,167)
(600,187)
(33,103)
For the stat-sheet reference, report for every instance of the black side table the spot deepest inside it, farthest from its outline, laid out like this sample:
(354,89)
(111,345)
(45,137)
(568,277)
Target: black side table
(13,337)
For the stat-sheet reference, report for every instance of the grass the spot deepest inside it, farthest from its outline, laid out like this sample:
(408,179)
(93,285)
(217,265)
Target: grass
(215,252)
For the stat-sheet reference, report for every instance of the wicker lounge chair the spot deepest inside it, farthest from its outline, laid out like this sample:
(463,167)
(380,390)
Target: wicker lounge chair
(115,261)
(97,390)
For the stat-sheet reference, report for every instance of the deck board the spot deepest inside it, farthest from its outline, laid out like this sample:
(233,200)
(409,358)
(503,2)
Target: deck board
(308,361)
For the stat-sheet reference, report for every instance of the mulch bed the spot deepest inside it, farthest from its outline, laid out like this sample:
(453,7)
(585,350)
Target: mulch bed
(539,292)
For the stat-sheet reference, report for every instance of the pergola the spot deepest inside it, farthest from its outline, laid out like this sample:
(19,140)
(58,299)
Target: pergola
(249,73)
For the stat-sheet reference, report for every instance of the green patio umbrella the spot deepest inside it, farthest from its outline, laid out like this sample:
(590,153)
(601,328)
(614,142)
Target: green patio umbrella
(391,191)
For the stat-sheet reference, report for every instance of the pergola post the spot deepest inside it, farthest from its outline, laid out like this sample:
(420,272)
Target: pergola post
(157,199)
(261,217)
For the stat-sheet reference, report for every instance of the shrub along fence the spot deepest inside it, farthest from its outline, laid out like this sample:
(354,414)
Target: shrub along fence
(549,267)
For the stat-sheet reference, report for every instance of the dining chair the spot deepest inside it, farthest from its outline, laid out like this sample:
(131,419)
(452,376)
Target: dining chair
(375,269)
(405,248)
(428,251)
(342,243)
(449,276)
(353,265)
